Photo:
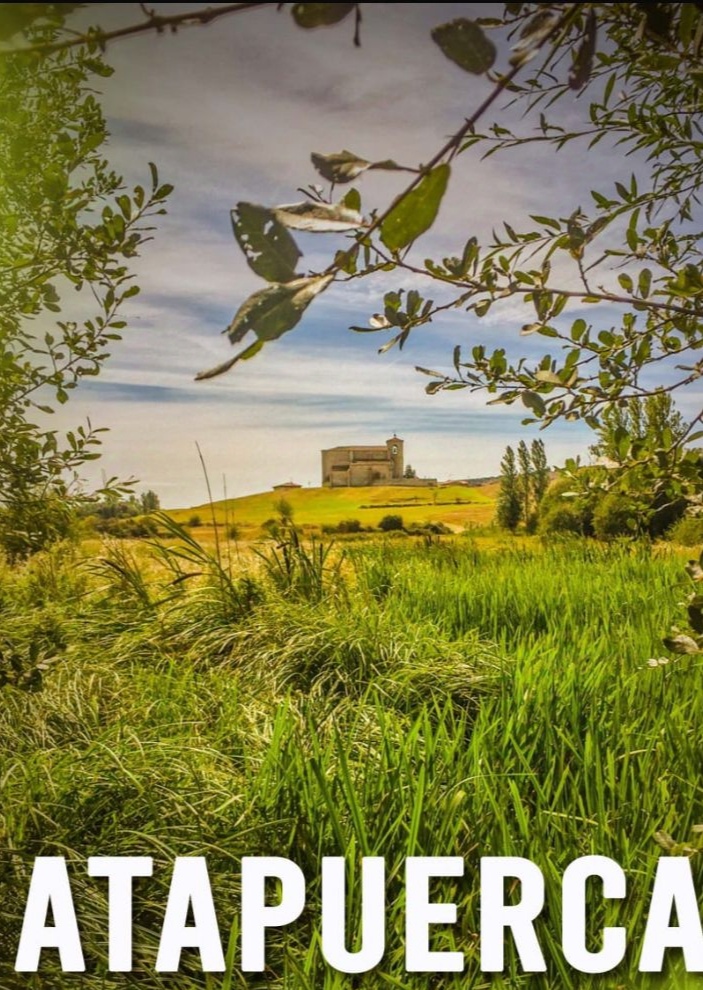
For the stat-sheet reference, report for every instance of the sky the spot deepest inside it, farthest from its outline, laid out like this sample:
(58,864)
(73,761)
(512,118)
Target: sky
(231,112)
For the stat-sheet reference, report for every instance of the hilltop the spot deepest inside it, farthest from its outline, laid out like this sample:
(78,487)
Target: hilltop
(455,505)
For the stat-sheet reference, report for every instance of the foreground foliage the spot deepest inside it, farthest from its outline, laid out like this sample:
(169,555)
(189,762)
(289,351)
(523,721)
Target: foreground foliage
(424,700)
(69,231)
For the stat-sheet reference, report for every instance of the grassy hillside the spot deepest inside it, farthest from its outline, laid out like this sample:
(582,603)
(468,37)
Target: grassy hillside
(455,505)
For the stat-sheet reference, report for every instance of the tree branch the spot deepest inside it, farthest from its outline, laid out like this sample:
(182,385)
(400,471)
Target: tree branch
(153,22)
(452,146)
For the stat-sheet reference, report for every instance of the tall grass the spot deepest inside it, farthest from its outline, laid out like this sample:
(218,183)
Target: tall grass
(448,702)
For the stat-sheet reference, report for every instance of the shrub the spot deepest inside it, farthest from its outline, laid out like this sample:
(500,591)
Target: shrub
(687,531)
(561,514)
(195,521)
(349,526)
(390,523)
(614,516)
(430,529)
(127,529)
(561,517)
(27,526)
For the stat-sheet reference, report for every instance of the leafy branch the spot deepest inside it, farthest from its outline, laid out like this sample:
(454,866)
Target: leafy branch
(261,231)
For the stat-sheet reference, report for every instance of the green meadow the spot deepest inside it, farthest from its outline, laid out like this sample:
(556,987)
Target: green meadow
(398,697)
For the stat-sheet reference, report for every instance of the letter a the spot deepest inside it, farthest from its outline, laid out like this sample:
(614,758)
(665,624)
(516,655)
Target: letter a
(49,888)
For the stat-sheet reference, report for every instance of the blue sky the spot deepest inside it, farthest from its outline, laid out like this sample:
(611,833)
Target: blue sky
(231,112)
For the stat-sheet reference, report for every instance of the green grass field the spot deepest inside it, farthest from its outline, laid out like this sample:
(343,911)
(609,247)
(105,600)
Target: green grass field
(407,699)
(455,505)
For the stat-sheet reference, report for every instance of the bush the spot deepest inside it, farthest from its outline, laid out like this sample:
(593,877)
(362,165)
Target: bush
(430,529)
(561,517)
(688,532)
(133,528)
(604,515)
(614,516)
(390,523)
(561,514)
(349,526)
(195,521)
(29,526)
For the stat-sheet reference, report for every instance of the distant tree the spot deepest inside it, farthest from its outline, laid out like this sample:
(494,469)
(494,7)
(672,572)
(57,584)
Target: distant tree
(540,471)
(625,430)
(149,501)
(284,510)
(410,472)
(509,509)
(524,480)
(663,423)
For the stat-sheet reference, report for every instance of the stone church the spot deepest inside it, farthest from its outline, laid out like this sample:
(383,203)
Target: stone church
(352,467)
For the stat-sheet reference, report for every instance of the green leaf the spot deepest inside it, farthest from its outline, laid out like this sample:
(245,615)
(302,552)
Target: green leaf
(547,221)
(269,249)
(465,44)
(346,261)
(312,15)
(352,199)
(687,22)
(99,68)
(644,282)
(269,313)
(414,213)
(534,402)
(273,311)
(220,369)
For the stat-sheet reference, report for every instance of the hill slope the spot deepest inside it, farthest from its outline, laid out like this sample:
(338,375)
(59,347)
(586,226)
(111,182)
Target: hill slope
(455,505)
